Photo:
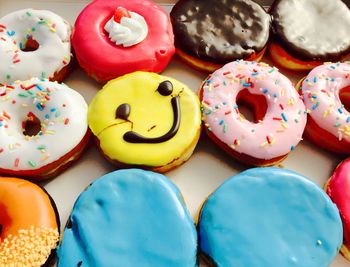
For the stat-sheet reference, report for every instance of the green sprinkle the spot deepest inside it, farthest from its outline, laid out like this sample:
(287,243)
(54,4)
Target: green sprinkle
(209,112)
(337,124)
(33,29)
(41,147)
(29,14)
(22,95)
(8,76)
(225,128)
(42,22)
(31,163)
(43,75)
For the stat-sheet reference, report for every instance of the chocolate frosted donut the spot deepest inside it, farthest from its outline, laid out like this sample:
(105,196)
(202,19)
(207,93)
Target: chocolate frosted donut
(312,30)
(220,31)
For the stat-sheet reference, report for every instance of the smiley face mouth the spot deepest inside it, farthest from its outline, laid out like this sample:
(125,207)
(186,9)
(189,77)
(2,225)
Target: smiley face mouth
(133,137)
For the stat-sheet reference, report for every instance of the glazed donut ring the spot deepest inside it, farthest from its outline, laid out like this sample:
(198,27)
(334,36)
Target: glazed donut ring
(279,112)
(51,58)
(323,91)
(103,59)
(43,126)
(29,224)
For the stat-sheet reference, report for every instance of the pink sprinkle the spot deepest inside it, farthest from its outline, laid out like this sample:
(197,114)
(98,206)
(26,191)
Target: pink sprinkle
(2,26)
(268,139)
(227,72)
(1,150)
(216,85)
(206,102)
(228,112)
(16,162)
(281,107)
(66,121)
(277,119)
(16,61)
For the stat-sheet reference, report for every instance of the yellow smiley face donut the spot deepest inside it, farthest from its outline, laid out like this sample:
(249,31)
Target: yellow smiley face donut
(147,120)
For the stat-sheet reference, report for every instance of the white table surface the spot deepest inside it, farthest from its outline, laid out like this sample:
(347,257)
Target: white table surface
(206,169)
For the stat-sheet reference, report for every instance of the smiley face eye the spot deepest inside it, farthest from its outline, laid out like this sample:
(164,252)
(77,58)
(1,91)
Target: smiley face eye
(123,111)
(165,88)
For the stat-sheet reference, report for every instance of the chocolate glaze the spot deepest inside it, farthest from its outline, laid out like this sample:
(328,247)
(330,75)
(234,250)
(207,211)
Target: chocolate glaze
(312,30)
(165,88)
(220,31)
(123,111)
(133,137)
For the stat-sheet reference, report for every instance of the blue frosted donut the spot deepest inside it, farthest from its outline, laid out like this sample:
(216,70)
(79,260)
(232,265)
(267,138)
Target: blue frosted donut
(129,218)
(267,217)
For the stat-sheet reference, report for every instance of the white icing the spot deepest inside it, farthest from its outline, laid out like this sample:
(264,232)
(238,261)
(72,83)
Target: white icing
(48,29)
(129,32)
(63,118)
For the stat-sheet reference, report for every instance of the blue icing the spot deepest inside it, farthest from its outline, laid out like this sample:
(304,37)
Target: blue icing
(129,218)
(268,217)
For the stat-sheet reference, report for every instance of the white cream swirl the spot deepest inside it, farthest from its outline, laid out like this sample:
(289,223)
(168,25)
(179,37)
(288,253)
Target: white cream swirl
(129,32)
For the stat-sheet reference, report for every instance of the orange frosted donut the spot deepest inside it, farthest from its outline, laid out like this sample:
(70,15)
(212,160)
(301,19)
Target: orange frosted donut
(29,224)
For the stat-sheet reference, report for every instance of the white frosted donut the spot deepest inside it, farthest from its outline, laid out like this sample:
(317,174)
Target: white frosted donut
(49,30)
(43,125)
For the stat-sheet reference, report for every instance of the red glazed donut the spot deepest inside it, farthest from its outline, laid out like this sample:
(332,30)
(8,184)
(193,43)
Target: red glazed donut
(102,58)
(338,189)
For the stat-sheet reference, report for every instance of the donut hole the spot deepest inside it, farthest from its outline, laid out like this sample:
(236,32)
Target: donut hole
(31,45)
(31,126)
(344,96)
(252,107)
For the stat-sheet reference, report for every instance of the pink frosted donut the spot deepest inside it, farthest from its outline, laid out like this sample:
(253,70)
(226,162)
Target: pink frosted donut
(113,38)
(279,119)
(326,95)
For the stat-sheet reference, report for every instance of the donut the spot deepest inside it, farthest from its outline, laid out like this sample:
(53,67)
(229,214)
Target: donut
(146,120)
(338,189)
(209,34)
(34,43)
(129,218)
(325,91)
(29,224)
(43,128)
(276,218)
(113,38)
(307,33)
(279,113)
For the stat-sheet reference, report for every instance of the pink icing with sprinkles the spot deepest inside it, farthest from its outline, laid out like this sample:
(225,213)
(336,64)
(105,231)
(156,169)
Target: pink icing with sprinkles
(281,128)
(320,90)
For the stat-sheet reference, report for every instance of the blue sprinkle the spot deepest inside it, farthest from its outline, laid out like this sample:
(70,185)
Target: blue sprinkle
(235,107)
(315,106)
(11,33)
(315,79)
(292,148)
(348,119)
(255,73)
(221,122)
(246,84)
(275,95)
(47,116)
(0,124)
(314,96)
(284,117)
(224,103)
(340,111)
(39,106)
(21,45)
(332,67)
(332,79)
(265,91)
(39,87)
(53,110)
